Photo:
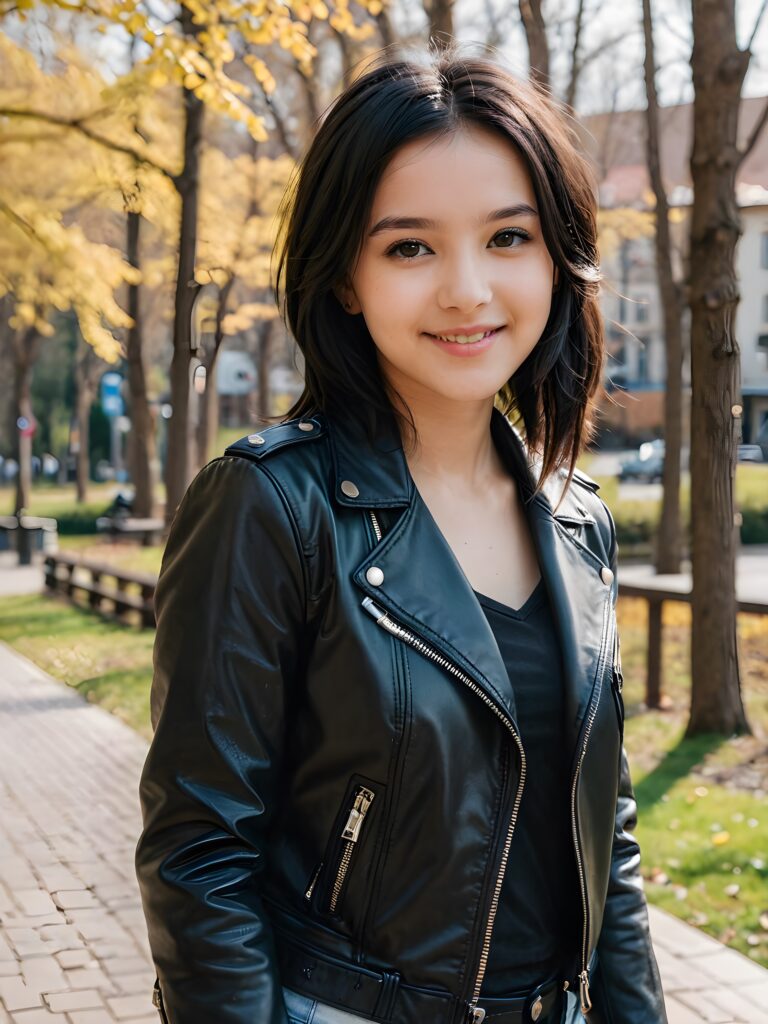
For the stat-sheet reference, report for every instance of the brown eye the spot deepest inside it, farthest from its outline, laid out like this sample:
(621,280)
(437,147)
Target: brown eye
(509,234)
(405,250)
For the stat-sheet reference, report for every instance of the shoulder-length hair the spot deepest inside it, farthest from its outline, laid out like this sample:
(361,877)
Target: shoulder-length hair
(326,209)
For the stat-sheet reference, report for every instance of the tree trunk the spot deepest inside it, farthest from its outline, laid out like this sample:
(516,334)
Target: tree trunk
(177,465)
(208,422)
(440,14)
(141,439)
(265,356)
(83,401)
(26,346)
(718,73)
(668,538)
(536,34)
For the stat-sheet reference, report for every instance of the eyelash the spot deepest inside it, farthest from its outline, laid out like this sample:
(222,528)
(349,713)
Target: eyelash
(392,251)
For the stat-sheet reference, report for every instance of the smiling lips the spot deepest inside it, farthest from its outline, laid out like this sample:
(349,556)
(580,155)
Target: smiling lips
(465,337)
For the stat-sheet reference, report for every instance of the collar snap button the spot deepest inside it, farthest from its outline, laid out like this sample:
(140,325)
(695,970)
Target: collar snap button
(374,575)
(256,439)
(306,426)
(536,1009)
(350,489)
(606,575)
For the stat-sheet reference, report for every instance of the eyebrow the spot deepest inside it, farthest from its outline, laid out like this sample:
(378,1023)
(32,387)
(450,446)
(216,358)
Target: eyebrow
(399,223)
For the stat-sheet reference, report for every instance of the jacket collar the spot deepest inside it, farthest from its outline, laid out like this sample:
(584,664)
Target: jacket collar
(425,589)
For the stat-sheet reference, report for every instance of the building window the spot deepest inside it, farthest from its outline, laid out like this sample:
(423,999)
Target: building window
(642,360)
(764,250)
(641,311)
(765,309)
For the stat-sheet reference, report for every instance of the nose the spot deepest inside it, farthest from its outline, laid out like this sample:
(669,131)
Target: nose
(463,283)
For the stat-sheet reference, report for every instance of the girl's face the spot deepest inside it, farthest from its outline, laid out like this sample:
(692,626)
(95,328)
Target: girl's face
(453,278)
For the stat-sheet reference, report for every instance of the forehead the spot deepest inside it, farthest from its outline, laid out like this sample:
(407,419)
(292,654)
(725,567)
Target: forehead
(471,169)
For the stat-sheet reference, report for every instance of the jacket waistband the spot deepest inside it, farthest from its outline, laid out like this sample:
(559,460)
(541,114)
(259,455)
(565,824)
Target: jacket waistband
(384,997)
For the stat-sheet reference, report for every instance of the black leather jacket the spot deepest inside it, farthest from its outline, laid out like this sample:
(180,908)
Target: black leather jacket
(332,788)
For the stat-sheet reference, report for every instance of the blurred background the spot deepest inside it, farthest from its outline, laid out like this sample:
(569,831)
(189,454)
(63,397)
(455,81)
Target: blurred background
(144,149)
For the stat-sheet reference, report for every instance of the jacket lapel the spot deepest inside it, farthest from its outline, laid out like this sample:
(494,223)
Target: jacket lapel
(422,586)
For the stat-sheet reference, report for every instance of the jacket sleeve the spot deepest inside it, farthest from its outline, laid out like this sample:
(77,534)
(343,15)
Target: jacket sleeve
(230,608)
(628,986)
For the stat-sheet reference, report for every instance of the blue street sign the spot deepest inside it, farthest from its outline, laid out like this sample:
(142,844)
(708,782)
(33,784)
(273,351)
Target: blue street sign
(111,398)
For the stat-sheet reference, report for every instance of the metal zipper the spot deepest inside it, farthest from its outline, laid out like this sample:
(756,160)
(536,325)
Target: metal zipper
(350,834)
(311,889)
(586,1002)
(384,620)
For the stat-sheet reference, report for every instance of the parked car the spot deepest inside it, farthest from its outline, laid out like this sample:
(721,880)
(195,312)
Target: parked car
(647,464)
(750,453)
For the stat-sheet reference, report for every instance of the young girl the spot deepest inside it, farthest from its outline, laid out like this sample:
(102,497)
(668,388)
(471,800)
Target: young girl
(387,780)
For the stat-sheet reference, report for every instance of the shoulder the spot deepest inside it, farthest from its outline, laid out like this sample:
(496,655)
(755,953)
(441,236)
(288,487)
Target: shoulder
(262,444)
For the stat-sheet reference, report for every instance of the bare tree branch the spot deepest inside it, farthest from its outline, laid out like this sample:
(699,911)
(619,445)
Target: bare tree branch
(755,133)
(78,124)
(758,19)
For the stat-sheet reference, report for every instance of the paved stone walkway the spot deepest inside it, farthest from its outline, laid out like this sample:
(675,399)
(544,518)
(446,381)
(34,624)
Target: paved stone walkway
(73,947)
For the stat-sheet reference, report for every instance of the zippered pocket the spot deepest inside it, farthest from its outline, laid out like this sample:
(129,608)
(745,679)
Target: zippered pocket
(351,826)
(617,679)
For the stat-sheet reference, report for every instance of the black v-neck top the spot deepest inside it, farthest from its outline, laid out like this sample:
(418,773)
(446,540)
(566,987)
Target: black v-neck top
(534,921)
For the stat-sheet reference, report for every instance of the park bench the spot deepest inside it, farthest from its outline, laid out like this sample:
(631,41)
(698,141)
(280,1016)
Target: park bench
(148,530)
(669,588)
(67,574)
(26,534)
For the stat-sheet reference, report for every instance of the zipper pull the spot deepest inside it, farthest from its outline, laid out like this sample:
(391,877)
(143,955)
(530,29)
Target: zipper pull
(310,890)
(363,800)
(586,1002)
(476,1014)
(617,659)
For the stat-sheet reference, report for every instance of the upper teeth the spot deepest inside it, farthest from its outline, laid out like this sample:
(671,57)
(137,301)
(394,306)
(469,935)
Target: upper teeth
(464,339)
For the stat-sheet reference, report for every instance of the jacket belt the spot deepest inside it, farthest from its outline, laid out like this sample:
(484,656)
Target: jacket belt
(383,996)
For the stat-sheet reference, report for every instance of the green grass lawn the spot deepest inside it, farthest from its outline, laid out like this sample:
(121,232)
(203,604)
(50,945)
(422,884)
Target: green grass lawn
(703,818)
(703,802)
(107,663)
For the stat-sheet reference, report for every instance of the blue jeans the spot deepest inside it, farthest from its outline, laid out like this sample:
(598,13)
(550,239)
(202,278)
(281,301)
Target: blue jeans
(305,1010)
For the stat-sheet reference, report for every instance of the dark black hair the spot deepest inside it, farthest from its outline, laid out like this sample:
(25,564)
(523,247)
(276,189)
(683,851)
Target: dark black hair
(325,211)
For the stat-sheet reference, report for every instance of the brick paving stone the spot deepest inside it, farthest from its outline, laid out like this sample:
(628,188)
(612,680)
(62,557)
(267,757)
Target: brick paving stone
(84,999)
(75,958)
(42,1016)
(34,902)
(15,995)
(67,899)
(90,977)
(124,1007)
(93,1017)
(43,974)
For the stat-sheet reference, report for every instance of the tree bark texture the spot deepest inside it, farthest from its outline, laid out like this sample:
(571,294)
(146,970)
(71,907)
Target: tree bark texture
(440,14)
(538,47)
(26,347)
(718,73)
(141,439)
(668,538)
(177,466)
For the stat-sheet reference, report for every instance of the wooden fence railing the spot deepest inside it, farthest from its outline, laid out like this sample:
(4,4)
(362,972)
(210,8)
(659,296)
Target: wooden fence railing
(130,592)
(656,596)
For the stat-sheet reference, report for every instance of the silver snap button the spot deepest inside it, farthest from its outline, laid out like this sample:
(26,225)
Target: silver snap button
(306,426)
(375,576)
(349,489)
(536,1009)
(606,575)
(256,439)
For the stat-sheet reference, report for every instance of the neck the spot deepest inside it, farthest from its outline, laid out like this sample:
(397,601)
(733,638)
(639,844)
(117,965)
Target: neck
(454,442)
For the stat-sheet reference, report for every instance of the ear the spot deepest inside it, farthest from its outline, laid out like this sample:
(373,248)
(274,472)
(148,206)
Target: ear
(346,296)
